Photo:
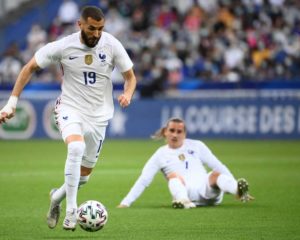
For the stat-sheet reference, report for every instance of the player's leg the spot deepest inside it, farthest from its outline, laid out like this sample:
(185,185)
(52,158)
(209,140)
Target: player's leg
(223,182)
(92,150)
(59,194)
(72,135)
(70,127)
(179,192)
(70,187)
(210,194)
(76,148)
(228,184)
(94,141)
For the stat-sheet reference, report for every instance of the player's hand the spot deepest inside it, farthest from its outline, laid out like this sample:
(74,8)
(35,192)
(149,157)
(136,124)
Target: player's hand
(6,113)
(9,109)
(124,100)
(122,206)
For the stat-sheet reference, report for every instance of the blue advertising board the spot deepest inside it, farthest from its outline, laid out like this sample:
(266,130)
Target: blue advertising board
(239,117)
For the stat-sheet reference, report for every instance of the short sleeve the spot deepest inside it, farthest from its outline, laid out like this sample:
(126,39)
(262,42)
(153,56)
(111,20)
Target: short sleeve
(121,57)
(49,54)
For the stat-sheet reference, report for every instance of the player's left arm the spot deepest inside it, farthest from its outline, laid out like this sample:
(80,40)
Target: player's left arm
(129,87)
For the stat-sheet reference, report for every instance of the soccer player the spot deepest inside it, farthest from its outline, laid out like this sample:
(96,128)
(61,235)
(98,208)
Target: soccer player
(182,162)
(85,105)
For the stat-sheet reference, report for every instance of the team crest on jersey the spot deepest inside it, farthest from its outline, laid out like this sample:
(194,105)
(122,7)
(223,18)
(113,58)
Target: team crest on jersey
(181,157)
(88,59)
(191,152)
(102,57)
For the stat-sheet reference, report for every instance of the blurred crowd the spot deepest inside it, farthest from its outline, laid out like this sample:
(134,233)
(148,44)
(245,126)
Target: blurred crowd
(177,41)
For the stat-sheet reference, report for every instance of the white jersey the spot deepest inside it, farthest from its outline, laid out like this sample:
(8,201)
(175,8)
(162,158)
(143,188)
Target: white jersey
(188,160)
(87,85)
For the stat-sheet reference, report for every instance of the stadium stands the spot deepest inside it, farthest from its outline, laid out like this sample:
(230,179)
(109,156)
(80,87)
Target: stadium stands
(187,44)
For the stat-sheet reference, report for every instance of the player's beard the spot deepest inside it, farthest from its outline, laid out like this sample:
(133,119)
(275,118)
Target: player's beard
(90,42)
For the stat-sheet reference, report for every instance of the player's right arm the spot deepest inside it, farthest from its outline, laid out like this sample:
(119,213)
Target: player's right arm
(8,111)
(46,55)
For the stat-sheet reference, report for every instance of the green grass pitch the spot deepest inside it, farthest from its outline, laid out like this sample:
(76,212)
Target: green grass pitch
(29,169)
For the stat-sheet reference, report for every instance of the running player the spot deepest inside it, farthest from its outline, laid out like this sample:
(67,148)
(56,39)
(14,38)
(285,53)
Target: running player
(85,105)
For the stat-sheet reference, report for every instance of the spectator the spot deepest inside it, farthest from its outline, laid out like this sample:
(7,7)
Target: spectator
(68,13)
(214,40)
(116,24)
(10,65)
(36,38)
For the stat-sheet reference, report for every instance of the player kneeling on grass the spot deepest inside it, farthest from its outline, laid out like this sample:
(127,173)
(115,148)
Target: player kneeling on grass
(182,162)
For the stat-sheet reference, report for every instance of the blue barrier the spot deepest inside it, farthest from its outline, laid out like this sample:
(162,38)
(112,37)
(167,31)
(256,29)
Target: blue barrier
(214,117)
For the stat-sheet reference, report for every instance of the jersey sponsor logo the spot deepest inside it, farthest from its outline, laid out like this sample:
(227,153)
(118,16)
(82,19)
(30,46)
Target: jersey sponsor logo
(181,157)
(88,59)
(71,57)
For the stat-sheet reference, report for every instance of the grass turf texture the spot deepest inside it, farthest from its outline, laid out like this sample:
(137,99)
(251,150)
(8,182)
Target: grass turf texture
(28,170)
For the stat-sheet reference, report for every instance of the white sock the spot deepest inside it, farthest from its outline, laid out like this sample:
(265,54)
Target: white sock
(177,189)
(83,180)
(227,184)
(60,193)
(72,173)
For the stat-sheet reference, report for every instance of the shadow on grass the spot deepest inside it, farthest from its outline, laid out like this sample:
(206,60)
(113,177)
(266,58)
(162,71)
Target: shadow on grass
(73,237)
(233,205)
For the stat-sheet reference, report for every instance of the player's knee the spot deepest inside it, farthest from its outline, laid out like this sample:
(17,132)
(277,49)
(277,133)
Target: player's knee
(175,183)
(177,189)
(76,150)
(174,175)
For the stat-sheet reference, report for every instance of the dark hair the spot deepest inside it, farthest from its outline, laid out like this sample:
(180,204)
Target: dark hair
(159,134)
(93,12)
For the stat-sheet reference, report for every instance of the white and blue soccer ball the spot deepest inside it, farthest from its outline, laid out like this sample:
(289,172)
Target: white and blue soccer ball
(92,216)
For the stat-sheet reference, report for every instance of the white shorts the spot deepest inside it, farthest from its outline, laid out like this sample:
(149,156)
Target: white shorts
(72,122)
(204,195)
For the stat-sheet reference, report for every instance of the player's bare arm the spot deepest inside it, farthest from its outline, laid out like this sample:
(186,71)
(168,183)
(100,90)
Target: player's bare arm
(8,111)
(129,87)
(24,77)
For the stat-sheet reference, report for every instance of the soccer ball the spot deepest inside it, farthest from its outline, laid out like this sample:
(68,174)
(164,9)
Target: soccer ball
(92,216)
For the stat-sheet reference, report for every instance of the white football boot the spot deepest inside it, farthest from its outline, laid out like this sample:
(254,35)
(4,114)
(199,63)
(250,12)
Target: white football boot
(184,203)
(53,212)
(70,220)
